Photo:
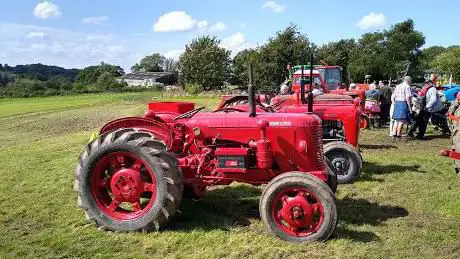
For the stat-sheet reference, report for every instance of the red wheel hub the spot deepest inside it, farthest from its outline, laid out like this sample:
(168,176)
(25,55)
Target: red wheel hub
(297,211)
(123,185)
(127,185)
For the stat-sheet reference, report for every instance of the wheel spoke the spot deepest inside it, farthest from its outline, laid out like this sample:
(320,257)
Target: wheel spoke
(113,205)
(149,187)
(316,207)
(121,160)
(301,194)
(137,165)
(137,206)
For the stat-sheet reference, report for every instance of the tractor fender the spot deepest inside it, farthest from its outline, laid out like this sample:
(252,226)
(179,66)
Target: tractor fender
(160,130)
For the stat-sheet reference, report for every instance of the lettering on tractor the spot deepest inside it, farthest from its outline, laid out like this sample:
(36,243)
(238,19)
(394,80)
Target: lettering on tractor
(134,175)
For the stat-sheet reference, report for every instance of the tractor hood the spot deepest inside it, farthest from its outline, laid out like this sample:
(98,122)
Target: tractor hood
(242,120)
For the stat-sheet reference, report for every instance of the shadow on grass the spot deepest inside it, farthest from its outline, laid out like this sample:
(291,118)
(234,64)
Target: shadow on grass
(371,169)
(381,146)
(229,207)
(432,137)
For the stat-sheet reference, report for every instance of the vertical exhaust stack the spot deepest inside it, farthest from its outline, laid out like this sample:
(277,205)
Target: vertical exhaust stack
(302,85)
(310,93)
(251,93)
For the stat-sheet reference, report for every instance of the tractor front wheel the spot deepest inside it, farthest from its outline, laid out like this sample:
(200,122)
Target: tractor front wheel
(364,122)
(126,181)
(345,160)
(298,207)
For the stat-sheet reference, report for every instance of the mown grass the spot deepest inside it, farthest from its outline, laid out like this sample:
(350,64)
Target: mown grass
(406,204)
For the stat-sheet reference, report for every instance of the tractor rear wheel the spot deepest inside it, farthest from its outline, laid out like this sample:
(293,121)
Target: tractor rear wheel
(298,207)
(126,181)
(345,160)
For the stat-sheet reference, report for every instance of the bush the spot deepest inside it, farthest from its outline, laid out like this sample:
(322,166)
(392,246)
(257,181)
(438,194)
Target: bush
(193,89)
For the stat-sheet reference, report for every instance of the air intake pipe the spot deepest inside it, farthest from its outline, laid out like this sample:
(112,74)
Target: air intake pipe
(310,93)
(251,93)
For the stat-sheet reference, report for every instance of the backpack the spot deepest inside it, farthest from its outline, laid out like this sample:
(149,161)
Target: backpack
(420,102)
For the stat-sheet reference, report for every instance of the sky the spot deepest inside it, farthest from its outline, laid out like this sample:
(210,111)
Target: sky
(79,33)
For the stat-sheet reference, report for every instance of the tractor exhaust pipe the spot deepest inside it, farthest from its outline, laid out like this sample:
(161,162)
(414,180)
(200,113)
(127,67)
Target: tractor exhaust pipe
(251,93)
(310,93)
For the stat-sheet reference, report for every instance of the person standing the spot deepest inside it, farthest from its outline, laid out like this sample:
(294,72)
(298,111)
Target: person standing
(421,115)
(454,117)
(402,101)
(385,102)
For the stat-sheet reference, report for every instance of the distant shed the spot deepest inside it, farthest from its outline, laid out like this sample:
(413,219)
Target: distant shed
(148,79)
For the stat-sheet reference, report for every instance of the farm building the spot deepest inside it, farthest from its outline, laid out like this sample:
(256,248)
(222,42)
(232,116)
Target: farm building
(149,79)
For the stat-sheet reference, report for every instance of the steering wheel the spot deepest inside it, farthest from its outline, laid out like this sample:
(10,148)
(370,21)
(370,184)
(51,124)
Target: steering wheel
(189,113)
(278,104)
(229,109)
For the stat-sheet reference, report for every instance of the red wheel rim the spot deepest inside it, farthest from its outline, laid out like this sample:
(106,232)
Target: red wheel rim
(297,212)
(123,186)
(363,123)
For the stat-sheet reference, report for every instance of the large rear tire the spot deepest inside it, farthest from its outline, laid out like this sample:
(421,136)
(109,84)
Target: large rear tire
(298,207)
(345,160)
(126,181)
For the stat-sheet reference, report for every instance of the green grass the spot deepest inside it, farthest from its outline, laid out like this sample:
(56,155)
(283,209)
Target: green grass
(406,204)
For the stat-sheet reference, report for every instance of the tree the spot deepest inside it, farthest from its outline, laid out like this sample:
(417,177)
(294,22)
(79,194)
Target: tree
(429,54)
(449,62)
(170,65)
(337,53)
(205,63)
(240,67)
(289,46)
(89,75)
(367,57)
(383,54)
(152,63)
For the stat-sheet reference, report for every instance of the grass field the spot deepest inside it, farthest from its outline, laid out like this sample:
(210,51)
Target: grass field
(406,204)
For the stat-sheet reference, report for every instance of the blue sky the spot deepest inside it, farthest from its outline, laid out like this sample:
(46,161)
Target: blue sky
(81,32)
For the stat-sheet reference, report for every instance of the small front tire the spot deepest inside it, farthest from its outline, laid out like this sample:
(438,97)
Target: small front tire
(298,207)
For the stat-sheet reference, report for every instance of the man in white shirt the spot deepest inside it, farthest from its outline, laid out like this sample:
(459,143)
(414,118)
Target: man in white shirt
(402,101)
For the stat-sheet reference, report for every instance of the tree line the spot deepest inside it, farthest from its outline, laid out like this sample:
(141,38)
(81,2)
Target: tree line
(207,65)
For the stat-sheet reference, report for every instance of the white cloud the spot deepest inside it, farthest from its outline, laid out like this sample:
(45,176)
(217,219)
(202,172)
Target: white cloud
(219,26)
(99,20)
(45,10)
(372,20)
(274,6)
(174,21)
(35,34)
(202,24)
(174,54)
(236,43)
(69,48)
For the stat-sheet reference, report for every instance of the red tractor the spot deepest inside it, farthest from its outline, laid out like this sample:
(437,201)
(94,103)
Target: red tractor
(133,176)
(340,115)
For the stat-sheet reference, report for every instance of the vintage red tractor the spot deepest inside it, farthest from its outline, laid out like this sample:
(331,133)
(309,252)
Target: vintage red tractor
(340,115)
(132,177)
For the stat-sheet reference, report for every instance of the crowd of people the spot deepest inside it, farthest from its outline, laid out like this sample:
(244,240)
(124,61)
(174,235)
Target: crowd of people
(409,109)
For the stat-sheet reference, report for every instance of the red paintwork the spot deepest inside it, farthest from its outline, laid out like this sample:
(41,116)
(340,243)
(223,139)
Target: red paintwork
(127,183)
(327,107)
(271,138)
(297,211)
(451,153)
(174,107)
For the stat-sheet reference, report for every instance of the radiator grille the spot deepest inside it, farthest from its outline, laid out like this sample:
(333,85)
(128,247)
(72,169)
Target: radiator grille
(317,143)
